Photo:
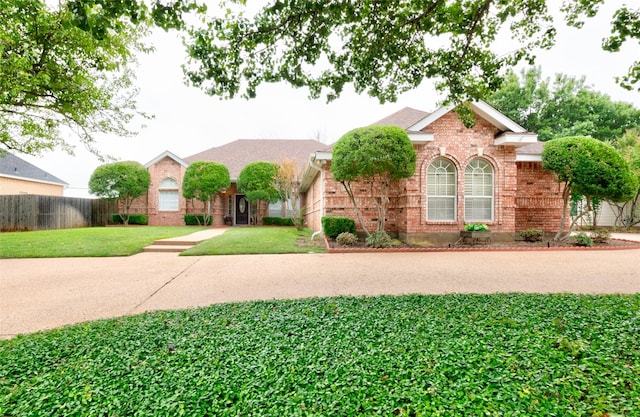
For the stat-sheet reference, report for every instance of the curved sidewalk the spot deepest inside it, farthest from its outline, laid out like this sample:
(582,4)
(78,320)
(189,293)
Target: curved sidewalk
(37,294)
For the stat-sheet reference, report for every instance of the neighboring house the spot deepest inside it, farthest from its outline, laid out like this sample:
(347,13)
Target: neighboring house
(490,173)
(18,176)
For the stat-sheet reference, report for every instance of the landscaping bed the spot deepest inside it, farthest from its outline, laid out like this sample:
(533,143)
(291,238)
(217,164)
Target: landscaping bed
(546,244)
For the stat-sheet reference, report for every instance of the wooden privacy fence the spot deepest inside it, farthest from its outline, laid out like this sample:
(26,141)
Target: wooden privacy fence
(42,212)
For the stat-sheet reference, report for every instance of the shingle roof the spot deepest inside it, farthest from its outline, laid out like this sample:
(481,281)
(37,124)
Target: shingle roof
(404,118)
(237,154)
(11,165)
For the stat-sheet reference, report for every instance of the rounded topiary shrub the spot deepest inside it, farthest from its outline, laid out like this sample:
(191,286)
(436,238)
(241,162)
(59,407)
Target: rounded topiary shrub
(333,226)
(347,239)
(379,240)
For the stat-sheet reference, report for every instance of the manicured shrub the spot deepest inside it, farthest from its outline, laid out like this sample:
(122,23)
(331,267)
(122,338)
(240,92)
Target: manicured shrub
(142,219)
(582,239)
(532,235)
(601,236)
(379,240)
(277,221)
(347,239)
(196,220)
(333,226)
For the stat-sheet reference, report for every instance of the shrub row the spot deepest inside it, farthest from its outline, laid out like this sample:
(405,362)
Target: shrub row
(277,221)
(133,219)
(196,220)
(333,226)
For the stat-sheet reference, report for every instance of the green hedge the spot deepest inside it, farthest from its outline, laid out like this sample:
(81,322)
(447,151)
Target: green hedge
(196,220)
(133,219)
(277,221)
(333,226)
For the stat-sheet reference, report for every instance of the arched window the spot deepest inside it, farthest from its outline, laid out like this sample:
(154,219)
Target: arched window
(168,195)
(478,191)
(441,190)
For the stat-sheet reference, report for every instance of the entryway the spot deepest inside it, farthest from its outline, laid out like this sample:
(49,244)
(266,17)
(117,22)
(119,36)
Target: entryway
(242,209)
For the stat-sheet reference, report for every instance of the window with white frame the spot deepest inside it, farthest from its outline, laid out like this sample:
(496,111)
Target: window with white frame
(441,190)
(478,191)
(168,195)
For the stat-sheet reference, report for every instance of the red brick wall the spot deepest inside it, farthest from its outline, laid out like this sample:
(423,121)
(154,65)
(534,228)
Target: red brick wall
(525,196)
(539,198)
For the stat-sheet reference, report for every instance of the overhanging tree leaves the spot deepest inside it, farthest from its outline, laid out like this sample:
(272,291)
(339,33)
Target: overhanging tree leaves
(376,156)
(590,168)
(256,182)
(123,181)
(58,80)
(203,180)
(562,107)
(383,48)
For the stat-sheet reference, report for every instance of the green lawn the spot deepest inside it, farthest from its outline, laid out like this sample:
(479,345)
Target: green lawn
(451,355)
(254,240)
(89,242)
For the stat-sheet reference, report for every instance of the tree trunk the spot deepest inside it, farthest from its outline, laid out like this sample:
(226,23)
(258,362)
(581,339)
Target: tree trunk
(347,187)
(566,195)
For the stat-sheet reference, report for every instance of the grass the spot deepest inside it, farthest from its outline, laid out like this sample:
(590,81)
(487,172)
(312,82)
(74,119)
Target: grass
(86,242)
(451,355)
(255,240)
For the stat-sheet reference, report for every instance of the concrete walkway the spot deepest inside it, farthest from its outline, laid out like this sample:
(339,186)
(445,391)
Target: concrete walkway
(182,243)
(37,294)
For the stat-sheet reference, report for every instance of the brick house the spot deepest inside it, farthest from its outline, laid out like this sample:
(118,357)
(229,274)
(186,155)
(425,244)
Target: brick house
(490,173)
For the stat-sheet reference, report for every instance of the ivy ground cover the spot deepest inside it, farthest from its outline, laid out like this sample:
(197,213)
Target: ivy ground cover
(451,355)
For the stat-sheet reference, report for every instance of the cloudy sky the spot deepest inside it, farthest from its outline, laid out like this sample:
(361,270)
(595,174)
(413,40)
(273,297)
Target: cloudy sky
(187,121)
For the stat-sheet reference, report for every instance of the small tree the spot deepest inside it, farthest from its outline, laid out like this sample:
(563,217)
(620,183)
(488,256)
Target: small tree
(287,182)
(123,181)
(377,156)
(589,168)
(256,182)
(203,181)
(628,145)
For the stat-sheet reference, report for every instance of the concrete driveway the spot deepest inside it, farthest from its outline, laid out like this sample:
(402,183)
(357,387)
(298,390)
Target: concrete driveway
(38,294)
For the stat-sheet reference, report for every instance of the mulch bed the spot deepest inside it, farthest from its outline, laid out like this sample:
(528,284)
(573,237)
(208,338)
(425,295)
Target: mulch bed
(516,245)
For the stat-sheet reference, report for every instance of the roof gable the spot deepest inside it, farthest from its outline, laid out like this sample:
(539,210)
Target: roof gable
(166,154)
(12,166)
(237,154)
(482,109)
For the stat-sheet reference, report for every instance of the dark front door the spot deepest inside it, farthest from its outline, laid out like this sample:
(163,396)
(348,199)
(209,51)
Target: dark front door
(242,210)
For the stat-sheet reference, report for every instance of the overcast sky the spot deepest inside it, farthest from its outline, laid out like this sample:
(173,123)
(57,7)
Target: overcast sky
(187,121)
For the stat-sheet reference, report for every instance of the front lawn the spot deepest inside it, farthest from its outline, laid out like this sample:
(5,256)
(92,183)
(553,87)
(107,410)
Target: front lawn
(259,239)
(451,355)
(89,241)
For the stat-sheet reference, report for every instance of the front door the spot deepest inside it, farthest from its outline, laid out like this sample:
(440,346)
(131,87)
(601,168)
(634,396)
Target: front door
(242,210)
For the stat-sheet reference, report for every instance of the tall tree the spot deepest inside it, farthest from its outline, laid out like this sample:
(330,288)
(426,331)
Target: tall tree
(375,157)
(385,47)
(123,181)
(203,180)
(590,168)
(58,80)
(563,107)
(628,146)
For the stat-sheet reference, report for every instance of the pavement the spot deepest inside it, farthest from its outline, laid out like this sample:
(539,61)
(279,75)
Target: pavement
(39,294)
